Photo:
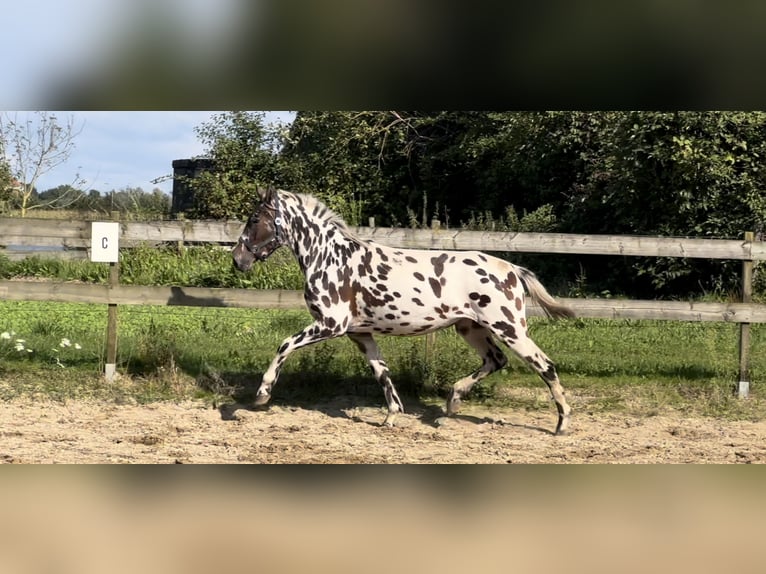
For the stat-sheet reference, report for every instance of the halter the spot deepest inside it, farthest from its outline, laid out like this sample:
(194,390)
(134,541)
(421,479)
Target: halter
(274,237)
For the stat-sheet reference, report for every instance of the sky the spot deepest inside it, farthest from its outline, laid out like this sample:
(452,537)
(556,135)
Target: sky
(123,149)
(46,42)
(79,39)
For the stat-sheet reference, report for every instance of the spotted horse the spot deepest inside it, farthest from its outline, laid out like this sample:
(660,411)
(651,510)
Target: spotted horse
(359,288)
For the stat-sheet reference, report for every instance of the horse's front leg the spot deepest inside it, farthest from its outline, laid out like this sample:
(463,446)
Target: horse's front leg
(314,333)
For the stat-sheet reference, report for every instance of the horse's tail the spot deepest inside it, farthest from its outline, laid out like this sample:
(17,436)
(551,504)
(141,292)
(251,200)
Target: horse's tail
(552,308)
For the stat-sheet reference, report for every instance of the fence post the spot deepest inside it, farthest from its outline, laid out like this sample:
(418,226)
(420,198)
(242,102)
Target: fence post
(431,337)
(110,368)
(180,216)
(743,388)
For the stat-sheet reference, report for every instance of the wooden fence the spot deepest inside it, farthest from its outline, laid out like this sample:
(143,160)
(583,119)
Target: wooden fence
(73,237)
(61,238)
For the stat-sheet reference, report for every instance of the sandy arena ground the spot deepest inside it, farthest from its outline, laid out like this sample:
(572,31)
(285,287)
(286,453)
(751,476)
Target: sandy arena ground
(341,431)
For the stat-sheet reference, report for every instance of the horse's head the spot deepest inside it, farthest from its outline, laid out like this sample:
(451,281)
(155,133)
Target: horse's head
(261,235)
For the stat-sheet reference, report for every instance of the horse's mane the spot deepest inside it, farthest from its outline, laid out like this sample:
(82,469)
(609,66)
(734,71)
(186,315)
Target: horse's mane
(327,215)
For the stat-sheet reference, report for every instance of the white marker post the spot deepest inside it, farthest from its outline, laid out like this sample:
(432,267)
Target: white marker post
(105,241)
(743,388)
(105,248)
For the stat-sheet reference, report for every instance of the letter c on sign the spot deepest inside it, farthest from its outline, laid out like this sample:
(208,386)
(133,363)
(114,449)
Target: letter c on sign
(104,241)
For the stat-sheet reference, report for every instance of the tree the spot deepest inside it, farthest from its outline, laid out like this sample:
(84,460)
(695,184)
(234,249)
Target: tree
(244,153)
(393,165)
(344,158)
(6,181)
(407,166)
(134,203)
(672,174)
(60,197)
(33,146)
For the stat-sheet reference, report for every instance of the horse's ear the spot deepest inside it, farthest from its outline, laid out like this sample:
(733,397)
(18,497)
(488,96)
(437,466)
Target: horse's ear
(267,194)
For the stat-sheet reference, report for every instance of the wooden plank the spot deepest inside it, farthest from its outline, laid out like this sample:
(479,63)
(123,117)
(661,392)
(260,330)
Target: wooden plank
(207,297)
(144,295)
(201,231)
(32,241)
(663,310)
(287,299)
(32,227)
(27,231)
(228,232)
(77,233)
(565,243)
(69,254)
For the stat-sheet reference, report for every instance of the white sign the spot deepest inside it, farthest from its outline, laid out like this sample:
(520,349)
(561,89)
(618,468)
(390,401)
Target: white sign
(105,241)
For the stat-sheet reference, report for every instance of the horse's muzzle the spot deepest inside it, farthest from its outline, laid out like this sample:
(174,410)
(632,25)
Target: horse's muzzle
(241,258)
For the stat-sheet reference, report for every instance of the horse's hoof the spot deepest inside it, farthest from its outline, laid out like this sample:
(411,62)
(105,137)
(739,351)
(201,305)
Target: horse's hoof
(453,404)
(389,422)
(261,399)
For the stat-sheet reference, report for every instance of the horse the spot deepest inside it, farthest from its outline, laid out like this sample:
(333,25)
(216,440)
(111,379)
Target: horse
(360,288)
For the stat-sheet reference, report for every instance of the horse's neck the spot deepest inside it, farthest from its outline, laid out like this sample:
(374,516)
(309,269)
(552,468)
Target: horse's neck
(311,248)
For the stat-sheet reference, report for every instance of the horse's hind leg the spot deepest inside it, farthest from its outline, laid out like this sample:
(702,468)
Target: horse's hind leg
(369,347)
(480,338)
(520,343)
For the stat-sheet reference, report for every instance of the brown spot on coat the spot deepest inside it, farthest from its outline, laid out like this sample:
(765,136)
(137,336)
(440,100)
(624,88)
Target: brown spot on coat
(510,281)
(435,286)
(365,267)
(333,293)
(438,263)
(508,315)
(481,299)
(506,329)
(347,293)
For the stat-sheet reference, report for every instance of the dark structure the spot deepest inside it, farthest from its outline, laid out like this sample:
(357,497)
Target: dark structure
(184,171)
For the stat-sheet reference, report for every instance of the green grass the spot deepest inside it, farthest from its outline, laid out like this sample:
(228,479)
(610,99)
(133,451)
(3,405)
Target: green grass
(204,266)
(165,353)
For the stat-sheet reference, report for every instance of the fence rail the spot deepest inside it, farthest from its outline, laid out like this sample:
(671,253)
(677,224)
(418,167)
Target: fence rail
(59,238)
(67,236)
(289,299)
(568,243)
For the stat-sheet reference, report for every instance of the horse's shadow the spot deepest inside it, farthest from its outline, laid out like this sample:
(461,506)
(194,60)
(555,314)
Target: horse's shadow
(296,391)
(485,420)
(355,394)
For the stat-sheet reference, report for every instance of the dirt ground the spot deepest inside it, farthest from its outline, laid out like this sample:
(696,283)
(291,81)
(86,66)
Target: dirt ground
(341,431)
